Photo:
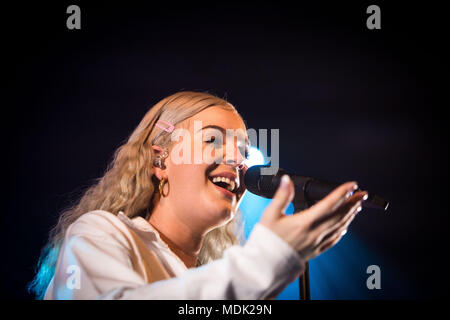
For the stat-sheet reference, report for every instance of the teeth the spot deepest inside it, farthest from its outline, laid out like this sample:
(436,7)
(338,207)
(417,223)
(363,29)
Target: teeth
(230,183)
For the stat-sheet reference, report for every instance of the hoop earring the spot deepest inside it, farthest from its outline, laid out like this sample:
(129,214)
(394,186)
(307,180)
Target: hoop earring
(162,182)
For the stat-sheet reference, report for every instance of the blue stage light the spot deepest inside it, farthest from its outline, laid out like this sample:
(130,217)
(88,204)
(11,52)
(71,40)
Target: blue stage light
(255,157)
(339,273)
(252,207)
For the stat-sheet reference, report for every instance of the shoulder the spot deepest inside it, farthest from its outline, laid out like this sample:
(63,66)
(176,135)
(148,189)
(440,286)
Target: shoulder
(99,224)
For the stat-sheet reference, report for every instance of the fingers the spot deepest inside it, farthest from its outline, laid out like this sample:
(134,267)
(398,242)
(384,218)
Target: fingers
(351,203)
(334,238)
(341,225)
(334,199)
(325,220)
(283,196)
(328,244)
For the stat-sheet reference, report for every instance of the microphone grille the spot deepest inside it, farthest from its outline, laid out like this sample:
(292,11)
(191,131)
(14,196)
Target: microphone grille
(262,185)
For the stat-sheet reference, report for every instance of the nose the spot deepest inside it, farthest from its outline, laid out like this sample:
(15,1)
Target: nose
(235,164)
(237,160)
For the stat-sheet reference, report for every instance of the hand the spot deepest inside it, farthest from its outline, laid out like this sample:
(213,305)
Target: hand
(318,228)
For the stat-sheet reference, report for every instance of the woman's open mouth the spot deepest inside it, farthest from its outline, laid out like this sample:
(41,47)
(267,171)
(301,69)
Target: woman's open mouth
(226,183)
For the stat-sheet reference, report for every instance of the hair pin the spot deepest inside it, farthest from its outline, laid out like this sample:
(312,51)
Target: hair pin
(170,127)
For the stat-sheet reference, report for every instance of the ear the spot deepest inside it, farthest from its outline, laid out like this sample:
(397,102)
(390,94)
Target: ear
(157,149)
(157,171)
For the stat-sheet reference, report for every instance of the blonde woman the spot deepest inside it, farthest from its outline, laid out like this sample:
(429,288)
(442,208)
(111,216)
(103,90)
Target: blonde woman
(155,227)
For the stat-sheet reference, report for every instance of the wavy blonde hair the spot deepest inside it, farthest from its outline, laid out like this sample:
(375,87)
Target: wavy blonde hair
(129,185)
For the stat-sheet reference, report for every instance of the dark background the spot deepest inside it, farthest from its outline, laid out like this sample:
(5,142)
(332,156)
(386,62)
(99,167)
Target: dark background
(350,103)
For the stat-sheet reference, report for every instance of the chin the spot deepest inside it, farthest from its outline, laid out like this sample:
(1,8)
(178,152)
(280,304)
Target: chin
(222,217)
(226,215)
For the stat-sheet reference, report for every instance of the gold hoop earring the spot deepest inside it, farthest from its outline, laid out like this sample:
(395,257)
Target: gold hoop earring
(162,182)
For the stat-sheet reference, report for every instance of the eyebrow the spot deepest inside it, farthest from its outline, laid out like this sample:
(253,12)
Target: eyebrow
(213,126)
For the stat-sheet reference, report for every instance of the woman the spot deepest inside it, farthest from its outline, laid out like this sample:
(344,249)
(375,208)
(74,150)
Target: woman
(155,227)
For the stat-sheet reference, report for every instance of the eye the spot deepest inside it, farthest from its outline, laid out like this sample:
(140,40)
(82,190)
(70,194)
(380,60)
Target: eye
(215,141)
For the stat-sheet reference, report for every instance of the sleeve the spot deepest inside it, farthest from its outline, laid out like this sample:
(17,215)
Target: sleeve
(92,268)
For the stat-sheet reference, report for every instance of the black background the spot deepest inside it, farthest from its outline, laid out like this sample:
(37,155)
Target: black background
(350,103)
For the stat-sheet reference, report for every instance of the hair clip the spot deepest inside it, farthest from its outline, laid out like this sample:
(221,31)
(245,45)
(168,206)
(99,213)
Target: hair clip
(170,127)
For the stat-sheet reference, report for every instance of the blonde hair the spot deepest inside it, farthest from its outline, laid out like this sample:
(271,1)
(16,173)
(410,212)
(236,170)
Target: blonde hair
(129,185)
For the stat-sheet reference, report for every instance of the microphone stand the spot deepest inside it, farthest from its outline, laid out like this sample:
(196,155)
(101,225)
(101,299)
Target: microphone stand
(266,187)
(301,202)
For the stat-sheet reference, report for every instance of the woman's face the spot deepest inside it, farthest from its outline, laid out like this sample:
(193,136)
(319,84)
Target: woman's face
(205,182)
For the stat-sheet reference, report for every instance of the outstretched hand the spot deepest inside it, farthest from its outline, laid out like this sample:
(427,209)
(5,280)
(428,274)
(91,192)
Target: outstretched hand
(316,229)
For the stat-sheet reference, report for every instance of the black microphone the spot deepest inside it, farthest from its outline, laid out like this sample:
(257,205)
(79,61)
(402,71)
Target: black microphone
(307,190)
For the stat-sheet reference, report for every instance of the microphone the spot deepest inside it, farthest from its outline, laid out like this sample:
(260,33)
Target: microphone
(307,190)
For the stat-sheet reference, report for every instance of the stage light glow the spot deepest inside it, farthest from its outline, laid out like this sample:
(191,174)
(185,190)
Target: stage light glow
(255,157)
(337,274)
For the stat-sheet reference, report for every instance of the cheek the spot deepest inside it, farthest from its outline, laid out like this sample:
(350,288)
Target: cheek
(187,180)
(212,154)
